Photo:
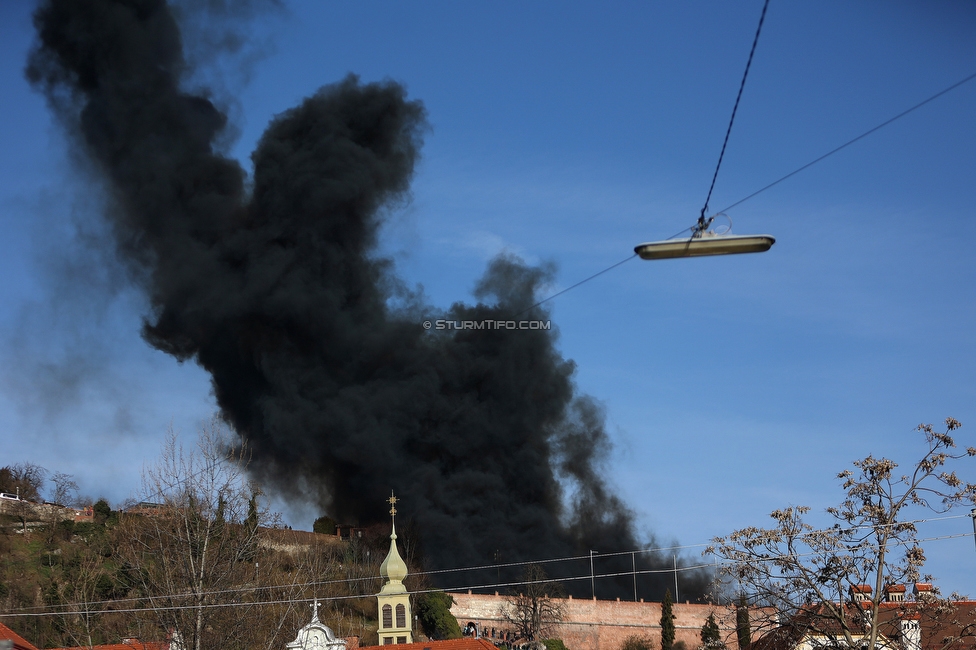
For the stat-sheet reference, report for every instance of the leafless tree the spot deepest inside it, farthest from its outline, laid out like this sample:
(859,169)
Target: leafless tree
(80,604)
(535,610)
(815,578)
(196,541)
(23,479)
(65,491)
(304,571)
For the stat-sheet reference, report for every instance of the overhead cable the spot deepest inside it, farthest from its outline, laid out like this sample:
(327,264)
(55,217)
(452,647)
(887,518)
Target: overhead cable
(25,611)
(852,141)
(735,108)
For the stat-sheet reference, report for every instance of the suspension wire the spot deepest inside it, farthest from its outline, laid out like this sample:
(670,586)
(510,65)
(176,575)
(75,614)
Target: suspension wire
(721,155)
(316,583)
(850,142)
(559,293)
(735,108)
(456,589)
(460,588)
(774,183)
(31,610)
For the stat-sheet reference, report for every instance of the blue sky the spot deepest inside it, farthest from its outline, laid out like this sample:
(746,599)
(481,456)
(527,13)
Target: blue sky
(571,132)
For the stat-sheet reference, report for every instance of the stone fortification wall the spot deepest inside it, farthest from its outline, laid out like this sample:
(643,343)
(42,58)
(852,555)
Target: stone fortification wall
(45,512)
(602,624)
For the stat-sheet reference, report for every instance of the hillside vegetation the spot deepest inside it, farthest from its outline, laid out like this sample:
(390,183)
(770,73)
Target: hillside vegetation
(71,584)
(197,555)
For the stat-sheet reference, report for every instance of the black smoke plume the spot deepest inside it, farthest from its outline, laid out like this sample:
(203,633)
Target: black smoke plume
(318,355)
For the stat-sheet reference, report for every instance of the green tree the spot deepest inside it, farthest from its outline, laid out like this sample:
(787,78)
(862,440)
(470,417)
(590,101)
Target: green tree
(102,511)
(711,637)
(743,631)
(433,611)
(324,525)
(667,622)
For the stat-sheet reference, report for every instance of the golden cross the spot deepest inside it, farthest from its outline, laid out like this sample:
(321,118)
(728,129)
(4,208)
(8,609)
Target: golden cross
(392,501)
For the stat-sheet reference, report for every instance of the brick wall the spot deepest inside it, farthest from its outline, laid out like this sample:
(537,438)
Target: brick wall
(603,624)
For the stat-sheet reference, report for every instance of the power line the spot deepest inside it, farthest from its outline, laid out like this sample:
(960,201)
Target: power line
(27,611)
(721,155)
(852,141)
(484,567)
(597,274)
(777,181)
(453,589)
(735,108)
(347,581)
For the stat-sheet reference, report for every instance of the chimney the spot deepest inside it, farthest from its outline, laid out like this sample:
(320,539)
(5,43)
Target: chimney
(923,590)
(895,593)
(860,593)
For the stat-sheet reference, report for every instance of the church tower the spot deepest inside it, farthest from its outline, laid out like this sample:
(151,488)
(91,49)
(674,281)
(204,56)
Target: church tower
(393,600)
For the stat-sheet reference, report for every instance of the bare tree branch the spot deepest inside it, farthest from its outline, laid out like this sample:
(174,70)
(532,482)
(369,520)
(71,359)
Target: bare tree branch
(831,582)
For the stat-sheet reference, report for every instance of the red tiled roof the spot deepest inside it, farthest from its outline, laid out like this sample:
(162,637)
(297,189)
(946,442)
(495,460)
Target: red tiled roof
(20,643)
(129,645)
(942,626)
(464,643)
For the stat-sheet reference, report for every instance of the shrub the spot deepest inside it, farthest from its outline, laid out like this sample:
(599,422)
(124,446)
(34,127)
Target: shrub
(637,642)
